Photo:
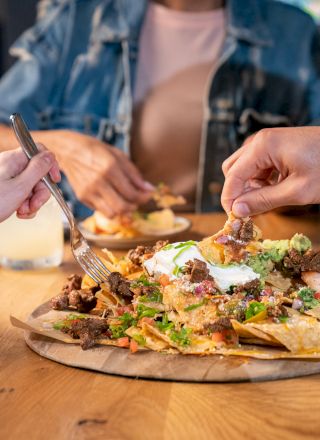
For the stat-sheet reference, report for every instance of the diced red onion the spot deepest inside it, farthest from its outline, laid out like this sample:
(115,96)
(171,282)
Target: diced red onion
(297,304)
(223,239)
(199,291)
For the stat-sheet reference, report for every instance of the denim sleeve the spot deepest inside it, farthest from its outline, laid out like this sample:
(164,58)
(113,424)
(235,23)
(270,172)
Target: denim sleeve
(29,85)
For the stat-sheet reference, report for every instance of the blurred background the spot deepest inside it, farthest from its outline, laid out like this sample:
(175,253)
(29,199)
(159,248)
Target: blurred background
(15,17)
(18,15)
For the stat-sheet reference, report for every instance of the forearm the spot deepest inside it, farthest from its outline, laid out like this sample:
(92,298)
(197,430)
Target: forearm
(54,140)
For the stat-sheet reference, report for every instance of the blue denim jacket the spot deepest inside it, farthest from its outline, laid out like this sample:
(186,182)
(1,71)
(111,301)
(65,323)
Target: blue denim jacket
(76,70)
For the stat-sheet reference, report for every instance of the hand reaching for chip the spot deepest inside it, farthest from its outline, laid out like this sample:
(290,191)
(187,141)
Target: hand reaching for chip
(276,167)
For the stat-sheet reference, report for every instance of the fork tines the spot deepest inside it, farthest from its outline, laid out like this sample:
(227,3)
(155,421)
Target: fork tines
(93,266)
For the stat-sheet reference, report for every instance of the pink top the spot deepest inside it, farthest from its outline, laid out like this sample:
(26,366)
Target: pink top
(172,41)
(178,50)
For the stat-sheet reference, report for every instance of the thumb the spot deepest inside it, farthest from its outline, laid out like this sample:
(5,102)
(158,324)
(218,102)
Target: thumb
(265,199)
(37,168)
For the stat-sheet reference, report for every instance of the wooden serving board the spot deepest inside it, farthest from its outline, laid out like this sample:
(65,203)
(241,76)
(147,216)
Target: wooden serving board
(152,365)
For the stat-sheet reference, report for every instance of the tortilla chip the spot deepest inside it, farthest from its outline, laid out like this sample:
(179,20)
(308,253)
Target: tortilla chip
(313,312)
(300,334)
(277,280)
(257,341)
(151,340)
(247,331)
(267,353)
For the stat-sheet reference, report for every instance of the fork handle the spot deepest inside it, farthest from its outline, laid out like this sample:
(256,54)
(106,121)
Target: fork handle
(30,149)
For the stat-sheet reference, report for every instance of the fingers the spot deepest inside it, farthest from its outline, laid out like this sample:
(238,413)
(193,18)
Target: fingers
(39,196)
(269,197)
(132,172)
(108,201)
(227,164)
(122,184)
(54,171)
(252,161)
(38,167)
(12,163)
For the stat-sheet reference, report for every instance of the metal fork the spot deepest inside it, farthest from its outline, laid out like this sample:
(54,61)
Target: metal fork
(88,260)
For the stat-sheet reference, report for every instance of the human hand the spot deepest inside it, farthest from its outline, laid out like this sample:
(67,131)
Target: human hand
(102,176)
(276,167)
(20,187)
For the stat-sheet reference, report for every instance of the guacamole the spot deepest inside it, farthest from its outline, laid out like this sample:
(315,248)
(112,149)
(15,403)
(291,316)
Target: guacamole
(300,243)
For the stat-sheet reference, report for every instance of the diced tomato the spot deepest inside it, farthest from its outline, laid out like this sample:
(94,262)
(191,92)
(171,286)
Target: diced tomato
(268,291)
(164,280)
(217,337)
(123,309)
(317,295)
(228,336)
(123,342)
(133,346)
(146,320)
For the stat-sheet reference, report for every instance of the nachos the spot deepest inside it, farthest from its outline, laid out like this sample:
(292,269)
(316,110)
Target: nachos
(139,223)
(232,294)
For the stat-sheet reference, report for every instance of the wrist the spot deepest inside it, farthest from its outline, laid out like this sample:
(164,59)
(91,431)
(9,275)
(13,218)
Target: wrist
(60,142)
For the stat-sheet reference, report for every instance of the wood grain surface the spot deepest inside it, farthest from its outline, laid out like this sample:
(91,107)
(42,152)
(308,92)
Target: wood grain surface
(40,399)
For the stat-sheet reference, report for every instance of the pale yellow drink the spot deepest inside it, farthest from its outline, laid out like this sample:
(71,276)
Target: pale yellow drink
(34,243)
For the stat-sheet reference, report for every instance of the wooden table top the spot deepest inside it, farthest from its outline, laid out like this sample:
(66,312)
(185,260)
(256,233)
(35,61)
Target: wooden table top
(42,399)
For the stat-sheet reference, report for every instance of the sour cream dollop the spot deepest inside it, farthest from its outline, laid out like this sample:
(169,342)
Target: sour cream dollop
(168,259)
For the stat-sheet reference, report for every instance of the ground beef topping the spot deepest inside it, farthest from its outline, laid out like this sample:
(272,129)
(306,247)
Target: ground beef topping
(218,325)
(277,311)
(310,261)
(198,271)
(251,288)
(73,283)
(246,231)
(73,297)
(141,253)
(88,330)
(119,285)
(242,230)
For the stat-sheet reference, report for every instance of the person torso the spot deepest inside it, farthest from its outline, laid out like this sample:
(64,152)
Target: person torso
(177,51)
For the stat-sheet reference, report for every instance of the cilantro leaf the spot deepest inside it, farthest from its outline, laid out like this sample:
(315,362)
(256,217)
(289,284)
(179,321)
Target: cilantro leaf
(165,324)
(194,306)
(146,312)
(118,330)
(127,319)
(283,319)
(141,340)
(66,322)
(307,296)
(181,337)
(143,281)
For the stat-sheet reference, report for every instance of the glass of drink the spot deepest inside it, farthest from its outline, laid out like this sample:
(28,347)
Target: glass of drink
(34,243)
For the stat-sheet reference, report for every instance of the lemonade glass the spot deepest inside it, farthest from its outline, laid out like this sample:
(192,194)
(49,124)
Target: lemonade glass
(34,243)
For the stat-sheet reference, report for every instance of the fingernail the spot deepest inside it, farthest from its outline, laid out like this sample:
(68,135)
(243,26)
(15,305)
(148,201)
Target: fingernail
(148,186)
(47,157)
(240,209)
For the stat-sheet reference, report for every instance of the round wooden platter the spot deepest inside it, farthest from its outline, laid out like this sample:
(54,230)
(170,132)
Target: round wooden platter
(152,365)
